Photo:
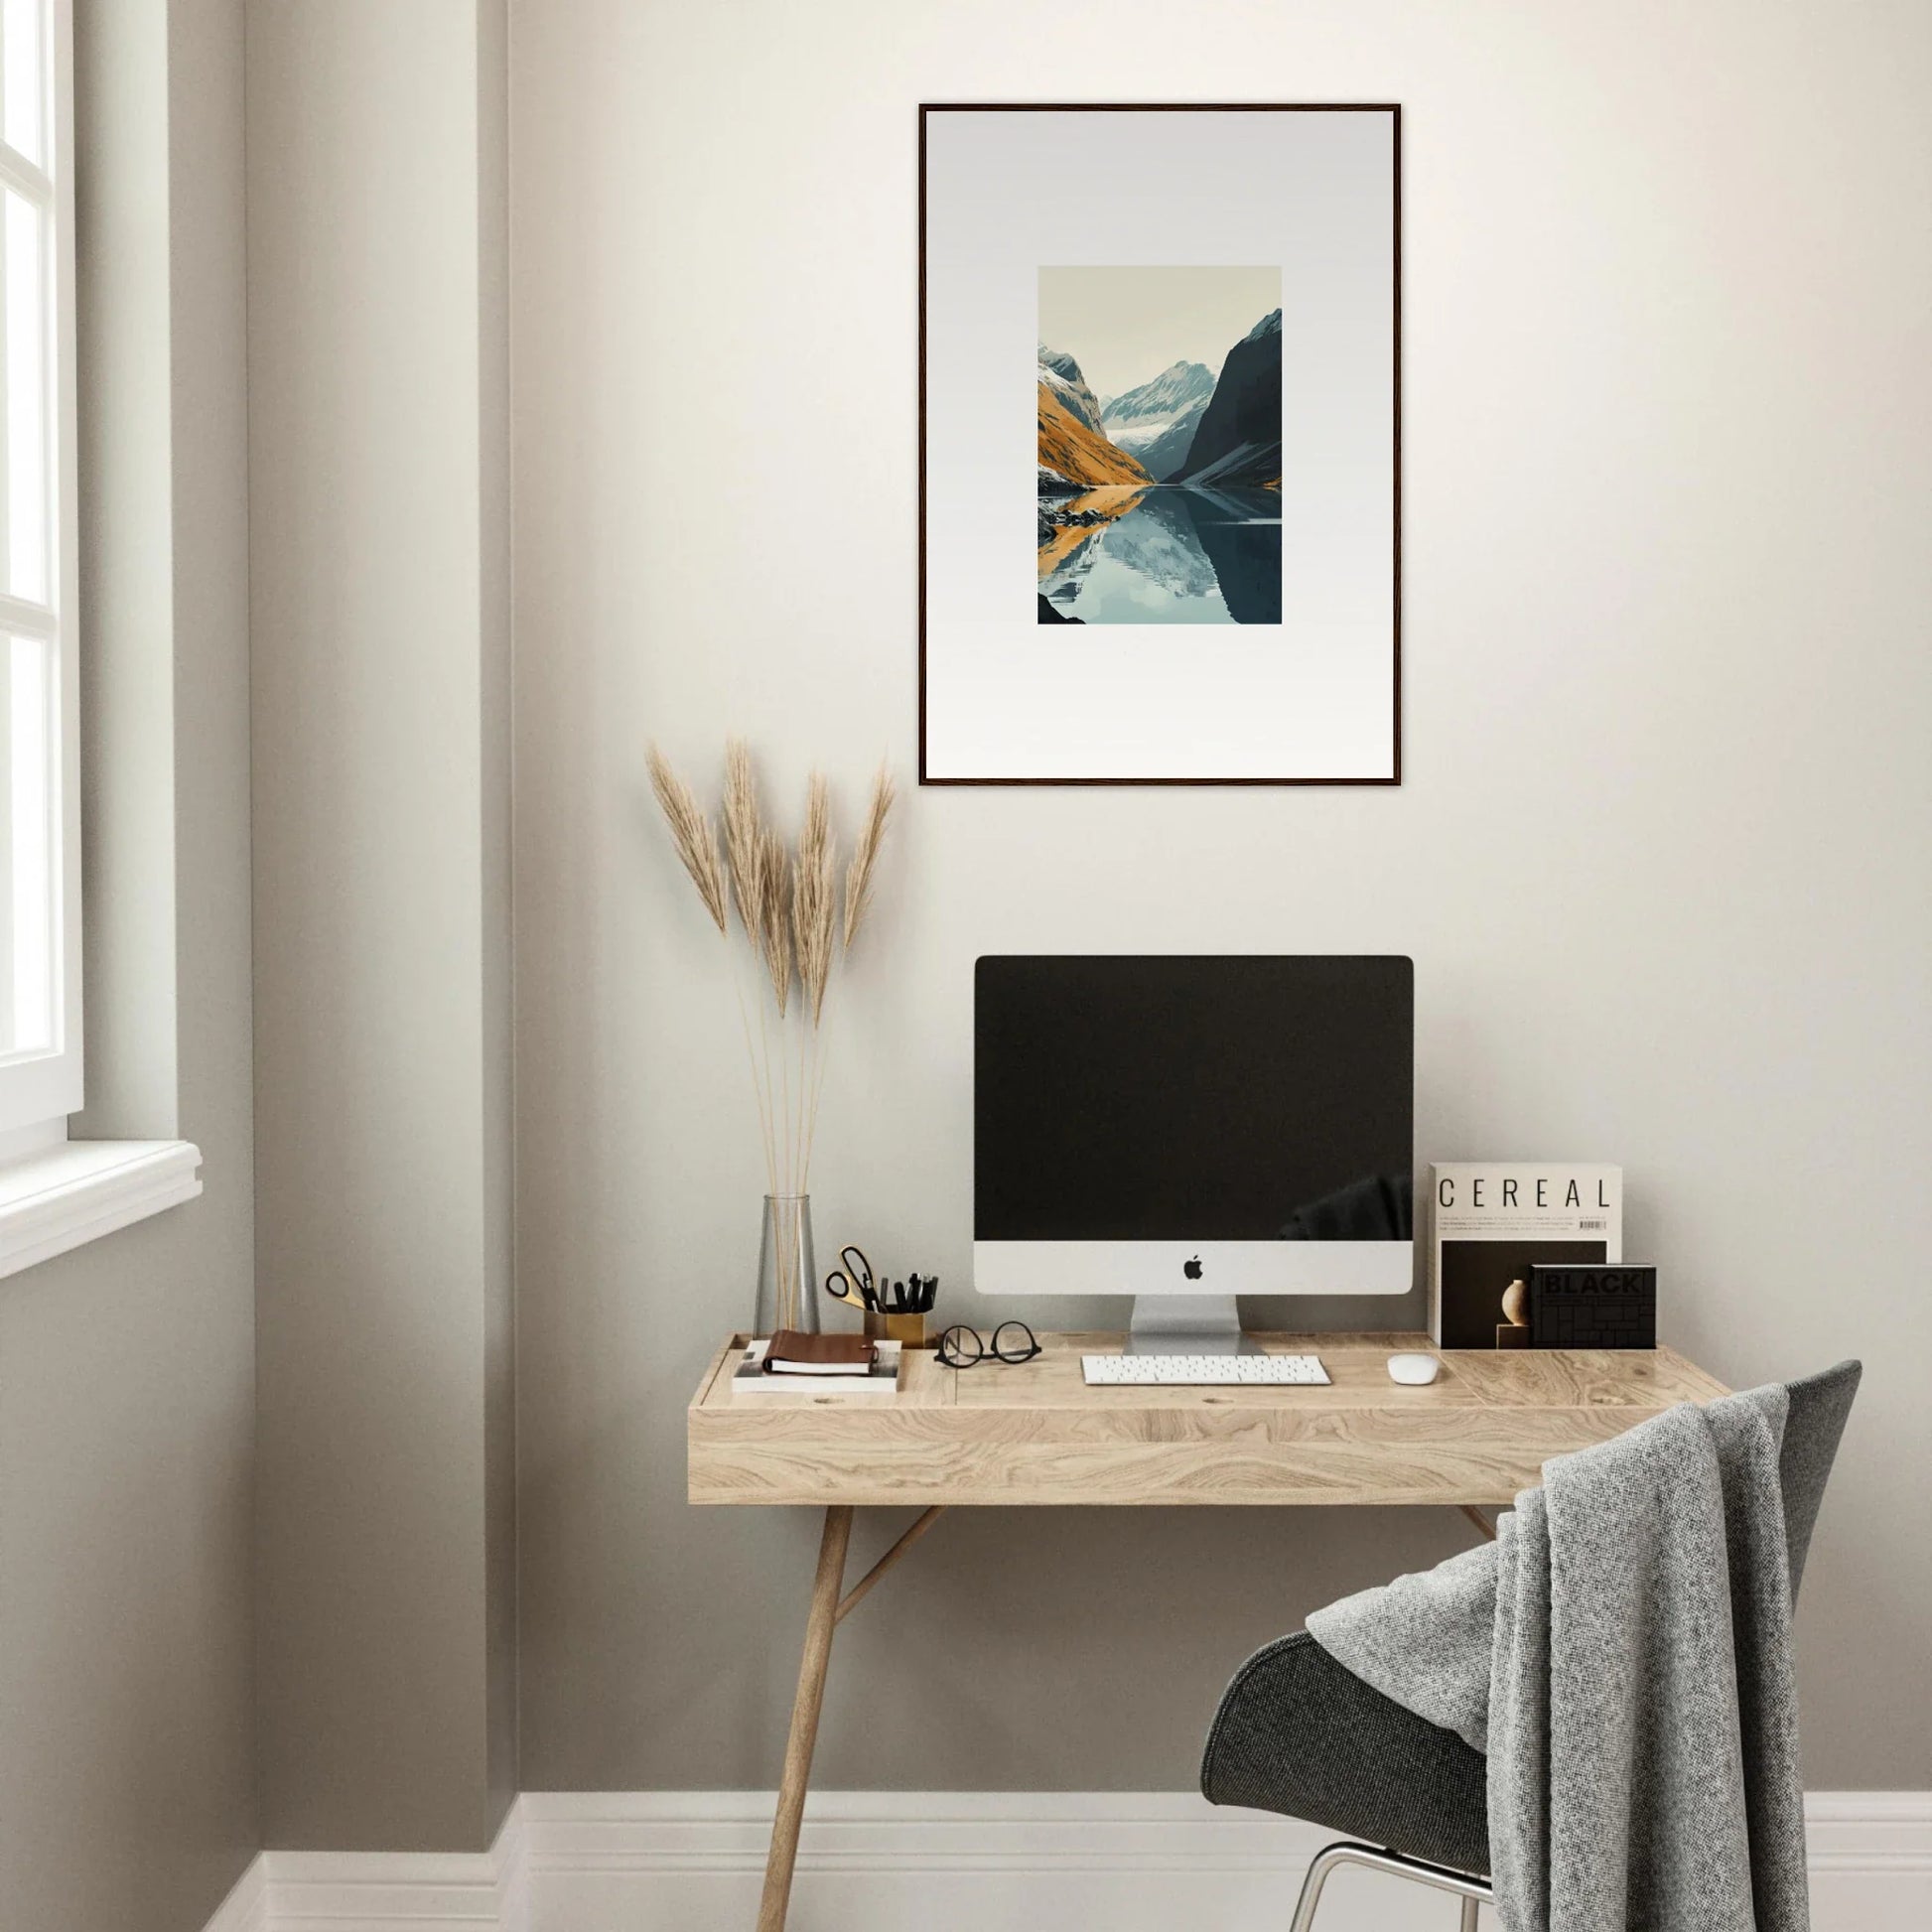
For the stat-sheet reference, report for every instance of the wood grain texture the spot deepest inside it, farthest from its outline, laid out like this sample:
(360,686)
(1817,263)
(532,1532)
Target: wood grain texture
(1035,1434)
(802,1740)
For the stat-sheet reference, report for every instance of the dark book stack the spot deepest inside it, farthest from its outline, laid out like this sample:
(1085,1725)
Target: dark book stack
(1614,1306)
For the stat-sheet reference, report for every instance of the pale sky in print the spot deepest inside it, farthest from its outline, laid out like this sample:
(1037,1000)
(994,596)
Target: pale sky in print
(1124,326)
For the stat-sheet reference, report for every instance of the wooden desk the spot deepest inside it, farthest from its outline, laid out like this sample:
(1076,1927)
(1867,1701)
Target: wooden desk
(1033,1433)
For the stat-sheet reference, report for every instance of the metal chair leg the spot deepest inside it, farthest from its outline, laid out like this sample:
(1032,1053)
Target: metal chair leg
(1472,1891)
(1324,1861)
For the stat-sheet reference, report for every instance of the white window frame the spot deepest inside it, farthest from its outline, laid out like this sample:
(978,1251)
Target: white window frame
(56,1193)
(38,1090)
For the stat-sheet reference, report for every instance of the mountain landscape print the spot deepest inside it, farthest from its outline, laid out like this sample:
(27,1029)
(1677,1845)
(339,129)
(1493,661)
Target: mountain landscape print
(1159,468)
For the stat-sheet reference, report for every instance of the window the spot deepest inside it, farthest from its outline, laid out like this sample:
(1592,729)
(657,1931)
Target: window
(40,831)
(54,1192)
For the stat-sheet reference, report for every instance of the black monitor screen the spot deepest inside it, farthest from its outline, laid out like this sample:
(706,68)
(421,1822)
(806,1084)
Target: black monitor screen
(1189,1099)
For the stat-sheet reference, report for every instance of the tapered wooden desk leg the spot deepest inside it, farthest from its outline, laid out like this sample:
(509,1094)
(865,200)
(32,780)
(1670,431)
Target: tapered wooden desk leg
(1479,1519)
(804,1720)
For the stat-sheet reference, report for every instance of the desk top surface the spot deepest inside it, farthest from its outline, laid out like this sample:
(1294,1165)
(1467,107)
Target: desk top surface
(1033,1434)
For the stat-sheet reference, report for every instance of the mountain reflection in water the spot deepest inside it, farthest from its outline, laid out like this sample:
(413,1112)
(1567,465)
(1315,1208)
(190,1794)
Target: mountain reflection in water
(1167,555)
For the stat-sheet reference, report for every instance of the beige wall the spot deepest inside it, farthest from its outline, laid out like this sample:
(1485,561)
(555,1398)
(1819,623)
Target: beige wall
(126,1367)
(1660,855)
(378,501)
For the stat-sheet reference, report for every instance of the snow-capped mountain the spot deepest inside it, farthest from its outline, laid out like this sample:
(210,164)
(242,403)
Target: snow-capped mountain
(1075,453)
(1269,324)
(1061,374)
(1165,396)
(1156,422)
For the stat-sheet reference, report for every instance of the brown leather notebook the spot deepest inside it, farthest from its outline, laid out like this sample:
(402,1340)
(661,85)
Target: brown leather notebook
(794,1354)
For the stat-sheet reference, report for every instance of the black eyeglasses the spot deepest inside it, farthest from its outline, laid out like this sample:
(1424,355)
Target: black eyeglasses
(1013,1341)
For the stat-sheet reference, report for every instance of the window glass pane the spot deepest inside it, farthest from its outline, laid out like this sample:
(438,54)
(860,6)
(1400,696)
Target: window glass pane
(23,50)
(26,399)
(27,851)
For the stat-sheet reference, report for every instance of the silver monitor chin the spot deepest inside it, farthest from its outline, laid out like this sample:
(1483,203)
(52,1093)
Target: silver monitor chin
(1171,1270)
(1183,1296)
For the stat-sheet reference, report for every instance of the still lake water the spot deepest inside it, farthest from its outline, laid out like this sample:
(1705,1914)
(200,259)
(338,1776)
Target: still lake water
(1167,555)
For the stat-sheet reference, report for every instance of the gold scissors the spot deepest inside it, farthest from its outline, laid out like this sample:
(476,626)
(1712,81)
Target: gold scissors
(852,1282)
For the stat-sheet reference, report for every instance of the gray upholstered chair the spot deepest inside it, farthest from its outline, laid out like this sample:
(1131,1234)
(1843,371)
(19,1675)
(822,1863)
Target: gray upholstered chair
(1298,1733)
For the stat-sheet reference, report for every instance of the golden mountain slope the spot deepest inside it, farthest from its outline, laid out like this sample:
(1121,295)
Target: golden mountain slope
(1077,453)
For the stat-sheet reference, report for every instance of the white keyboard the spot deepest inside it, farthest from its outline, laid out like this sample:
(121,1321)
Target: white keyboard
(1202,1371)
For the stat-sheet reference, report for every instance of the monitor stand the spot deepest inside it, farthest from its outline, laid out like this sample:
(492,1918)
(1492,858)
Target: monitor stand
(1187,1325)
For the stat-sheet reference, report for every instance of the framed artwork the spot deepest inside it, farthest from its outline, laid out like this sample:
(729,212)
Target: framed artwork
(1212,295)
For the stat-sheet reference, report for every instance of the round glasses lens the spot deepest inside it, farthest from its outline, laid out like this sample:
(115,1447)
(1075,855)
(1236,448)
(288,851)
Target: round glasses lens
(1013,1341)
(960,1348)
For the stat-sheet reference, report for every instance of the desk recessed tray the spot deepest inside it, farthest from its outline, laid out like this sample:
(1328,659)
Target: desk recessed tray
(1033,1433)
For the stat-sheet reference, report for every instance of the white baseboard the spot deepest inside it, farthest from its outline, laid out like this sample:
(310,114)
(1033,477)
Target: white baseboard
(384,1891)
(955,1862)
(246,1909)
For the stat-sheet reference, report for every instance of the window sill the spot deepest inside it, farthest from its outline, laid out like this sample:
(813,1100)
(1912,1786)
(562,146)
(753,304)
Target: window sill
(81,1189)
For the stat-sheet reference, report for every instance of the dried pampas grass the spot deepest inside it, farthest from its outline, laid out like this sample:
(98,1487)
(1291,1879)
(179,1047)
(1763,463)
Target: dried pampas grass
(691,834)
(787,905)
(865,855)
(774,918)
(814,897)
(743,835)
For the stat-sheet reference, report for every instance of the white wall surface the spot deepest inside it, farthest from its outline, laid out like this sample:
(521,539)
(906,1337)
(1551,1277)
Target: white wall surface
(1660,854)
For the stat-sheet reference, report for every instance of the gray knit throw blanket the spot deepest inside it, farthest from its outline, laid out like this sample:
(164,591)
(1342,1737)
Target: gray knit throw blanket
(1622,1653)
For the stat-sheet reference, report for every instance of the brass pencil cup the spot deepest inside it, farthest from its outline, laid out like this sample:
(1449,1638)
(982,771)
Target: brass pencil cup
(907,1329)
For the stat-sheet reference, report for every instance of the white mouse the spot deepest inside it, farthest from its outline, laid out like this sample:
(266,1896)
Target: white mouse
(1414,1369)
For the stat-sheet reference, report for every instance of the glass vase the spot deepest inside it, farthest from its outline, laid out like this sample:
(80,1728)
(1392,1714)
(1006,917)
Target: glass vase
(787,1275)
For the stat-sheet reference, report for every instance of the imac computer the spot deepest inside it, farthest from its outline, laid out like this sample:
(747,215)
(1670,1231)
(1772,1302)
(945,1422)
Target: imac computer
(1186,1130)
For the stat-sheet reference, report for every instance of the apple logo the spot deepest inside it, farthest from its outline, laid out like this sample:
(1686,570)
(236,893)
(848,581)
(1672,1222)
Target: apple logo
(1192,1269)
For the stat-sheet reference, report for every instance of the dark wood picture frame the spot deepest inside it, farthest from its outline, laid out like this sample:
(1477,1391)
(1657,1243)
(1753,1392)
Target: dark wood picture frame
(1391,108)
